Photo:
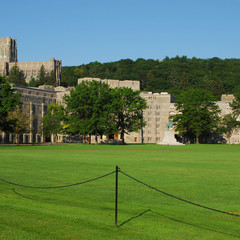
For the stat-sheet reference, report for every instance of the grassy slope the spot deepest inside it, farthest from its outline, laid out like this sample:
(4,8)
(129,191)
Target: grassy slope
(206,174)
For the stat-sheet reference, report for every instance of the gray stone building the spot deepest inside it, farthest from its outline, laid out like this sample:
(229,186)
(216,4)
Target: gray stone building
(8,58)
(36,100)
(160,108)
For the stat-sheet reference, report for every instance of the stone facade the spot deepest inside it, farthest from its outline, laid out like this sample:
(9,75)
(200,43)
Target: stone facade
(224,105)
(135,85)
(35,102)
(8,50)
(8,58)
(156,117)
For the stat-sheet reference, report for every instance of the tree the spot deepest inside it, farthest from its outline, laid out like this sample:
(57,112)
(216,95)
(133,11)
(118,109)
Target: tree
(53,120)
(81,71)
(16,76)
(228,124)
(9,99)
(198,114)
(42,77)
(230,121)
(127,110)
(51,79)
(89,108)
(19,122)
(33,82)
(235,105)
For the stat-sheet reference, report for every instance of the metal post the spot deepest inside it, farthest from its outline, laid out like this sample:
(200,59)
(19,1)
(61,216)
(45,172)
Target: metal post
(116,197)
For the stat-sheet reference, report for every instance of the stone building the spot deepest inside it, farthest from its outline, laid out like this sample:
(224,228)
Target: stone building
(156,115)
(225,107)
(35,102)
(8,58)
(135,85)
(160,107)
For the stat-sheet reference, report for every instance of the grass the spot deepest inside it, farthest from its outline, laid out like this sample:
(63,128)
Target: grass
(205,174)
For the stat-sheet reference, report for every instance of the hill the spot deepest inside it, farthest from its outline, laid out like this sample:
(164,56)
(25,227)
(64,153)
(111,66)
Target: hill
(171,74)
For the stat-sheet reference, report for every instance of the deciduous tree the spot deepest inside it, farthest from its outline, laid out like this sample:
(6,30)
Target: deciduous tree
(198,114)
(88,107)
(228,124)
(127,110)
(9,99)
(53,120)
(19,122)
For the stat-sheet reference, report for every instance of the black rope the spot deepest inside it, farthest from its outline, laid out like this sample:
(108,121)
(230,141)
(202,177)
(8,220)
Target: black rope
(70,185)
(178,198)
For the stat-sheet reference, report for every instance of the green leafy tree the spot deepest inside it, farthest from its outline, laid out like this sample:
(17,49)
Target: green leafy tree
(198,114)
(16,76)
(183,83)
(174,77)
(230,121)
(127,108)
(52,122)
(228,124)
(9,99)
(80,72)
(235,105)
(19,122)
(88,108)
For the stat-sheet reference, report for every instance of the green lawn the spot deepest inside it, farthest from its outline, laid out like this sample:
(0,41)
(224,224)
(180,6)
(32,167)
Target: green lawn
(205,174)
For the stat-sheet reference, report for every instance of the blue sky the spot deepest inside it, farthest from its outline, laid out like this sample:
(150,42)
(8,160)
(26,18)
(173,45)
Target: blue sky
(84,31)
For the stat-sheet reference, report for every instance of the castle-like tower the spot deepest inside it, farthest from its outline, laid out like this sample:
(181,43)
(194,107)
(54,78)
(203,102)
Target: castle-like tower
(8,58)
(8,49)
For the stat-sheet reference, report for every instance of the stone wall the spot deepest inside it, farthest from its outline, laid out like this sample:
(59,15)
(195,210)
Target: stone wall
(35,102)
(135,85)
(31,69)
(8,58)
(4,68)
(156,117)
(225,108)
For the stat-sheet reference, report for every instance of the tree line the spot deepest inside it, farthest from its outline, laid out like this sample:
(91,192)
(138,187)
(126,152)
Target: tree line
(173,75)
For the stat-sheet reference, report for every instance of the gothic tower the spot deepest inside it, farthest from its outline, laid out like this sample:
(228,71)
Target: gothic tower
(8,50)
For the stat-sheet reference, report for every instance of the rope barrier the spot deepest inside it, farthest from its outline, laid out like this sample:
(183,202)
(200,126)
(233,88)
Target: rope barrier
(105,175)
(178,198)
(69,185)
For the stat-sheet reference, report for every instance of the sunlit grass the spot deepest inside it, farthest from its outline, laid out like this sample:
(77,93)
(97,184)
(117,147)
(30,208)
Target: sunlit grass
(205,174)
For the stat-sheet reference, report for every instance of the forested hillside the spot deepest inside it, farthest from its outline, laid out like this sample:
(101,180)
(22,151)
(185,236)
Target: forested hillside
(171,74)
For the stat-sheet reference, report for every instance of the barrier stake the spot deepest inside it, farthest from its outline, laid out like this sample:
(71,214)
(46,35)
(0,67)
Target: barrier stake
(116,197)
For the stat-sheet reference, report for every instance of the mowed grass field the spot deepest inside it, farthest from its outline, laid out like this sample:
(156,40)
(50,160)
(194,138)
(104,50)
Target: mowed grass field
(204,174)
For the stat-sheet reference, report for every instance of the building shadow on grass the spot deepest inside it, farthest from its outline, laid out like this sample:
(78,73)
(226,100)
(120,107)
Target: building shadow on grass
(178,221)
